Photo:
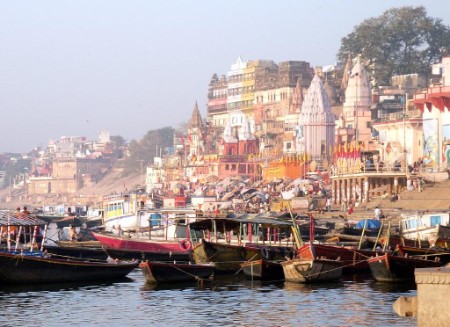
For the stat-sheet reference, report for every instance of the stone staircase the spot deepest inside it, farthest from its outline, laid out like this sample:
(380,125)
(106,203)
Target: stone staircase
(434,197)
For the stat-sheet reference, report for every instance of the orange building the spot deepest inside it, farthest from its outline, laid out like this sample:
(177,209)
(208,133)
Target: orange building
(287,167)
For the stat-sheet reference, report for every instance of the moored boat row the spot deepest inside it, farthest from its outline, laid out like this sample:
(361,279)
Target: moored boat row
(261,247)
(39,267)
(24,259)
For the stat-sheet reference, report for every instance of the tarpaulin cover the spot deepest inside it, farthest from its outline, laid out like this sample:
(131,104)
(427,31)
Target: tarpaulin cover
(370,224)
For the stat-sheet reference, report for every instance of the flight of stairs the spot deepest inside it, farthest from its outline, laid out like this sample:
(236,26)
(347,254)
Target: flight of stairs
(434,197)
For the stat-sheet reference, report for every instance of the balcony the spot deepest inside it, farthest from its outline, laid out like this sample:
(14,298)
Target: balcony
(438,96)
(396,116)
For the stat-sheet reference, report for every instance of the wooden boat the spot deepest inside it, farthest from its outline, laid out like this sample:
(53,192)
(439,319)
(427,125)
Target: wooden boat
(69,220)
(274,252)
(263,269)
(19,230)
(442,255)
(125,210)
(158,250)
(81,244)
(263,240)
(225,257)
(394,269)
(301,270)
(305,230)
(426,226)
(164,272)
(48,217)
(22,264)
(93,218)
(74,251)
(353,259)
(392,240)
(443,243)
(136,210)
(371,227)
(29,267)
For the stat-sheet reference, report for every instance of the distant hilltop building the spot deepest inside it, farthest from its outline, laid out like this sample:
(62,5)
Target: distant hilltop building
(70,163)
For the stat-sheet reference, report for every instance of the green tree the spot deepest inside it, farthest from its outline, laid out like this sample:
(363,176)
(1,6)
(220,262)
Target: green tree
(141,153)
(118,145)
(15,169)
(400,41)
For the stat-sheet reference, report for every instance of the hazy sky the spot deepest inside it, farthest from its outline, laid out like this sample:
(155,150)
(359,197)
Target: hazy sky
(77,67)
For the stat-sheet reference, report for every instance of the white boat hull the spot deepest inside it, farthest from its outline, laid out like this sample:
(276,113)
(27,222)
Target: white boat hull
(128,222)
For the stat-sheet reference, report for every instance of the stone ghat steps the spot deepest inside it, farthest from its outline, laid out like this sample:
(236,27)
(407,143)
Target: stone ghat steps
(434,197)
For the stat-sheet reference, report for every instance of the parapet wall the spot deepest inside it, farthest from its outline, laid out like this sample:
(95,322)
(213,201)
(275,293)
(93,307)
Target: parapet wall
(433,295)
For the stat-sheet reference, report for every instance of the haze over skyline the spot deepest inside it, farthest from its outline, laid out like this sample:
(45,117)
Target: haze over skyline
(73,68)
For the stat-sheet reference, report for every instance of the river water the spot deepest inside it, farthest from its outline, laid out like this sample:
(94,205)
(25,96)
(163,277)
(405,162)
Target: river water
(227,301)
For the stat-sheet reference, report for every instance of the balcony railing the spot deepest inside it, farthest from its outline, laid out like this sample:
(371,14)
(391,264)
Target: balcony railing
(410,114)
(360,168)
(439,89)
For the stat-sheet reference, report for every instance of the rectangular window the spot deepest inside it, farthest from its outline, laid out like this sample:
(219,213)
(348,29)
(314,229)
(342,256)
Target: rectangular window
(435,220)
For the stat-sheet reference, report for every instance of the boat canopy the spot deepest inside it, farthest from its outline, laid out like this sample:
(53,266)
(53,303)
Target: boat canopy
(233,223)
(8,218)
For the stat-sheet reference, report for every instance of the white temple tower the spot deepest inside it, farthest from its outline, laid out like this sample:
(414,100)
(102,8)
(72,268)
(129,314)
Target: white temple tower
(315,133)
(356,111)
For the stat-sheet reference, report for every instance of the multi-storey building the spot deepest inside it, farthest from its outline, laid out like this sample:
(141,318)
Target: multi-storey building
(217,114)
(435,105)
(248,89)
(69,164)
(234,97)
(278,97)
(67,176)
(397,124)
(261,93)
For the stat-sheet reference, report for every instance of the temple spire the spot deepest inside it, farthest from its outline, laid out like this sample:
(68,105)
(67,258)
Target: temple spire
(297,98)
(316,122)
(196,119)
(345,77)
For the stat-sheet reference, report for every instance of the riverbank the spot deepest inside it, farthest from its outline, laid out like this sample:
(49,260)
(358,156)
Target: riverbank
(432,197)
(113,183)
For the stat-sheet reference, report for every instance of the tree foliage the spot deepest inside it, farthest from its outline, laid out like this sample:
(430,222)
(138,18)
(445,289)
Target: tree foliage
(142,152)
(118,146)
(400,41)
(15,169)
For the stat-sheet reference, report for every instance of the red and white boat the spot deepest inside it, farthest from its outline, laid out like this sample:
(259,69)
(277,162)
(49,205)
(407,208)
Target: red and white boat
(127,247)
